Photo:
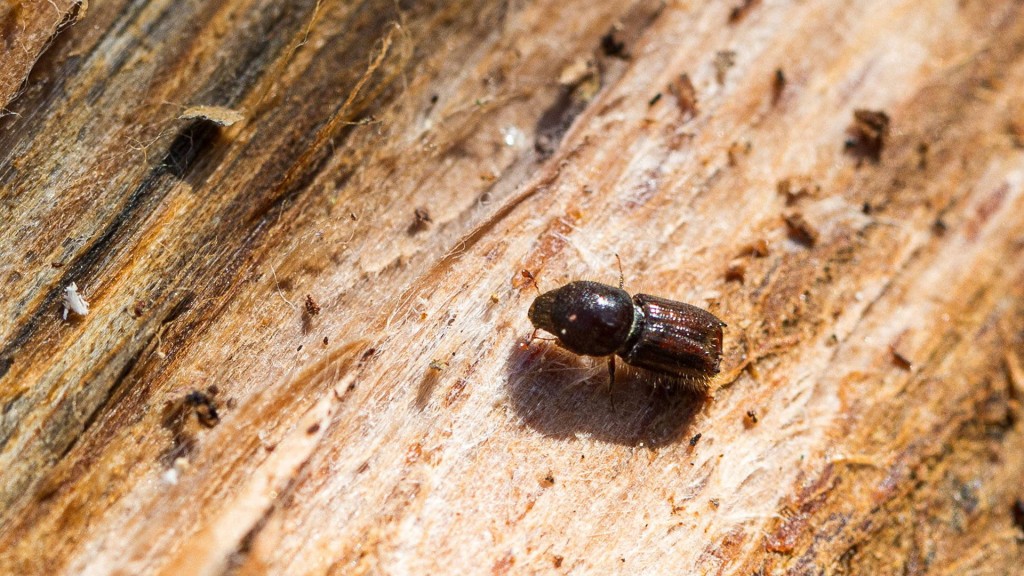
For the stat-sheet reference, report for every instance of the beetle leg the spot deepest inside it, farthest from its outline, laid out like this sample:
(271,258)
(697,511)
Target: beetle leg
(611,381)
(533,336)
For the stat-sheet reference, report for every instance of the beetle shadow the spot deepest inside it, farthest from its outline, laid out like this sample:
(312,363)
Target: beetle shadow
(563,395)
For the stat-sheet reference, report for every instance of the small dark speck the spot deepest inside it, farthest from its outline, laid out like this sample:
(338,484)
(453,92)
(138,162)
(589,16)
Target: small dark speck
(612,47)
(939,227)
(795,191)
(867,135)
(204,406)
(901,361)
(433,98)
(557,561)
(724,60)
(195,398)
(758,248)
(739,11)
(695,439)
(800,230)
(57,264)
(421,218)
(529,276)
(967,496)
(778,85)
(736,150)
(326,341)
(736,271)
(299,349)
(313,429)
(685,93)
(654,99)
(1018,513)
(922,156)
(750,419)
(368,354)
(311,306)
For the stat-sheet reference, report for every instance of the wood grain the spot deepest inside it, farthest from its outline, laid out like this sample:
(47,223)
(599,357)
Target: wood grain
(399,164)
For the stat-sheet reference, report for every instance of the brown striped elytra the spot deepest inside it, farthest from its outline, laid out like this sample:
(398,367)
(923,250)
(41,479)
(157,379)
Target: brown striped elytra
(657,334)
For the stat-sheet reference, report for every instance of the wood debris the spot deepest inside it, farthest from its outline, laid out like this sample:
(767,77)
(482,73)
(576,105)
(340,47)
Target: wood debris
(74,302)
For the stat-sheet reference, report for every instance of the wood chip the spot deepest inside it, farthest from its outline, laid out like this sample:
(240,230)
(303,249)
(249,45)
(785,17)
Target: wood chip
(217,114)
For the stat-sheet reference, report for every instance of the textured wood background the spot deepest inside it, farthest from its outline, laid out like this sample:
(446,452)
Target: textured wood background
(399,163)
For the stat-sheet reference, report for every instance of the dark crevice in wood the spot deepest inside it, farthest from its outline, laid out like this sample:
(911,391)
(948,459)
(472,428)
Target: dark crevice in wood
(555,121)
(188,146)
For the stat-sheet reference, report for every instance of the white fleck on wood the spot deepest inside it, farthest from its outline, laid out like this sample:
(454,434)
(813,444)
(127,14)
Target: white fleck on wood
(74,302)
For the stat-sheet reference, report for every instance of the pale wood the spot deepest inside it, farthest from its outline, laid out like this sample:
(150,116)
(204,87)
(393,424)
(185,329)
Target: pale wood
(882,360)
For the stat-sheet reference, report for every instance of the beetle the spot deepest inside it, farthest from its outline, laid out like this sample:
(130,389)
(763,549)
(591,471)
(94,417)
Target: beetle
(658,334)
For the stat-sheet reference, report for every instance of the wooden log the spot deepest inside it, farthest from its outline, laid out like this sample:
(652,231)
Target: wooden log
(299,230)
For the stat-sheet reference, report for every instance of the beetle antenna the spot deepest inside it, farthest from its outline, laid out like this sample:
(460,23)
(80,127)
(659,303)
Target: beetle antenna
(533,279)
(622,277)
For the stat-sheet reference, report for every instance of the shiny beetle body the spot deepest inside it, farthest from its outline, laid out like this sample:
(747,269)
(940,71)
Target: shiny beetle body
(658,334)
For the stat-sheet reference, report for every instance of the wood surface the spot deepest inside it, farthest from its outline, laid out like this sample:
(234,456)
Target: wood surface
(299,227)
